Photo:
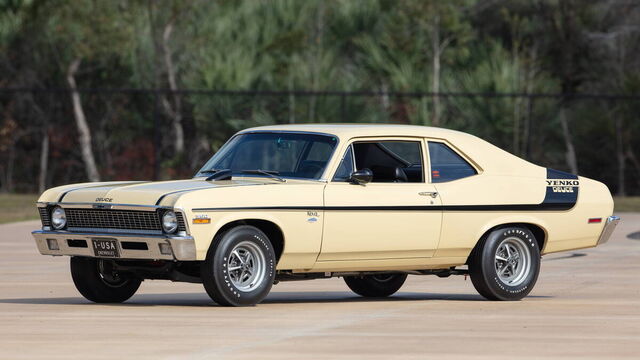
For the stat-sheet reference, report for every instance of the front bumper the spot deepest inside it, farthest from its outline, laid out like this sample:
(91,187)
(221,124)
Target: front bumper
(609,226)
(135,246)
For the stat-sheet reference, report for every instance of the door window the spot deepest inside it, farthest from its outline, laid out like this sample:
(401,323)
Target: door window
(446,164)
(346,167)
(390,161)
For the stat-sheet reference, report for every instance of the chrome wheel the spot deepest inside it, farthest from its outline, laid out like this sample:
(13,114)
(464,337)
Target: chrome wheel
(513,261)
(246,266)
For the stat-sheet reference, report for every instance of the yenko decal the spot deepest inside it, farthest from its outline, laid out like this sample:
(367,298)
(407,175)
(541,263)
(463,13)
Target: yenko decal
(562,188)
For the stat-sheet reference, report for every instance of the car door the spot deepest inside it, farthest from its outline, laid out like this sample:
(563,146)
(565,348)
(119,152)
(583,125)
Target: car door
(397,215)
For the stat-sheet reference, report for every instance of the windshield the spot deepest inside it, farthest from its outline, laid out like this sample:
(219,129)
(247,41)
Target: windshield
(293,155)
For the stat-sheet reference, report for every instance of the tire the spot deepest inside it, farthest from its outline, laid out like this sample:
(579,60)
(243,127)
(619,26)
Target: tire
(500,275)
(249,253)
(97,282)
(382,285)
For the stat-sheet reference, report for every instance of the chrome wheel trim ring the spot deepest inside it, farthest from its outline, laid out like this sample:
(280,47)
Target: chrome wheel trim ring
(246,266)
(512,261)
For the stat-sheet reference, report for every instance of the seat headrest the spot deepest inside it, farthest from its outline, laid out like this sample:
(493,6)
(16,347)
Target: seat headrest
(388,174)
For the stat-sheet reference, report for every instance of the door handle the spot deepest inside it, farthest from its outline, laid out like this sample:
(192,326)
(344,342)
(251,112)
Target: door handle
(433,194)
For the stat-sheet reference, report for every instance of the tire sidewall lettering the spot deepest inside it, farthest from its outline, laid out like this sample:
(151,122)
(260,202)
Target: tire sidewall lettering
(529,240)
(223,251)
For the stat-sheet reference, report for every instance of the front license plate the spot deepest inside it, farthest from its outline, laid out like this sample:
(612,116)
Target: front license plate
(105,248)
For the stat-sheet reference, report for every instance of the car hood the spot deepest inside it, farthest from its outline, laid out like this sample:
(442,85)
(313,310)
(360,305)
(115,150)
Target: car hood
(144,193)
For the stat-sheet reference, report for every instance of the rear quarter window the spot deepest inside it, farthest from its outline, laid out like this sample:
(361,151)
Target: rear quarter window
(446,164)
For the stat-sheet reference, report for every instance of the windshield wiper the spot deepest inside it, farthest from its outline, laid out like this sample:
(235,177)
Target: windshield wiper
(210,171)
(272,174)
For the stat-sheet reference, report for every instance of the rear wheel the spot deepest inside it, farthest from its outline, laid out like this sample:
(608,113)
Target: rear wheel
(240,267)
(375,285)
(505,265)
(98,281)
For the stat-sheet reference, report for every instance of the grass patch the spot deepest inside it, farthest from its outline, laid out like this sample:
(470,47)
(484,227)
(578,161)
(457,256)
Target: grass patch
(18,207)
(627,204)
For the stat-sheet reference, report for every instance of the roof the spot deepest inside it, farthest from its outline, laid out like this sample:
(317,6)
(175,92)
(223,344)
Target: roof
(485,155)
(350,130)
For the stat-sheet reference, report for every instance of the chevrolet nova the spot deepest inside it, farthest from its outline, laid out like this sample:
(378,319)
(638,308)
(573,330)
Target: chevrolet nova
(369,203)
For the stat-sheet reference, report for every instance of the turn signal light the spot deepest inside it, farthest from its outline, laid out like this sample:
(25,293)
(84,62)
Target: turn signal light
(53,244)
(201,221)
(165,249)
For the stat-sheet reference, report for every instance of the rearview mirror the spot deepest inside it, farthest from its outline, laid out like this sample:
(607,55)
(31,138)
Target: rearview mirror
(361,177)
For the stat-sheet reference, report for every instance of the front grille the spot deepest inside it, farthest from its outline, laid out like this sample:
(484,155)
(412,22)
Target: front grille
(44,216)
(113,219)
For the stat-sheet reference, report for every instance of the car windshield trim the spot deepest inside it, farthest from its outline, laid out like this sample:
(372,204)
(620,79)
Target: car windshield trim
(238,173)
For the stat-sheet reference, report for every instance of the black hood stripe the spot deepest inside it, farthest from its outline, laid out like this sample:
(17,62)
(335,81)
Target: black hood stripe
(95,186)
(181,191)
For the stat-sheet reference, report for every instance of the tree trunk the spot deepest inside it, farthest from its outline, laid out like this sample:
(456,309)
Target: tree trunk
(570,153)
(11,161)
(316,58)
(622,191)
(292,103)
(435,85)
(176,111)
(44,161)
(81,123)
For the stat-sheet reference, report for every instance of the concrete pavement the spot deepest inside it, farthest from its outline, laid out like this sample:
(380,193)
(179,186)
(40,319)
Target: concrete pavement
(586,304)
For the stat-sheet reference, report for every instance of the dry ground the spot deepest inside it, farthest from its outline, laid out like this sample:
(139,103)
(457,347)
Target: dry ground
(586,305)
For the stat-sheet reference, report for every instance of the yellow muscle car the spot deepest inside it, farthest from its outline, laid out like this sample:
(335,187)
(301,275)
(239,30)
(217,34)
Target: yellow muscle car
(369,203)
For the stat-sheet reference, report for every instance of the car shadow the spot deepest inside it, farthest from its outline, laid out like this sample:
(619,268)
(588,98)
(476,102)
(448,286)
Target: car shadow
(284,297)
(564,257)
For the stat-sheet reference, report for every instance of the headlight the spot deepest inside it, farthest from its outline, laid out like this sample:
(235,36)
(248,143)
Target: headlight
(169,222)
(58,218)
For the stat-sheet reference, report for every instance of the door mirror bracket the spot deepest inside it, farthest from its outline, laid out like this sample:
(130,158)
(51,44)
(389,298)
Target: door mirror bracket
(361,177)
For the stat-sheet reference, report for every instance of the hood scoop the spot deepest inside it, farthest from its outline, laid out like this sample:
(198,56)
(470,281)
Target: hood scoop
(225,174)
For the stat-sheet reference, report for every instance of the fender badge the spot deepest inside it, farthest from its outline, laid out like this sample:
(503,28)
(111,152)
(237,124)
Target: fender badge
(312,219)
(201,219)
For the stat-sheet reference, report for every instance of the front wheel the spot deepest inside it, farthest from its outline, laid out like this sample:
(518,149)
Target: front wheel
(505,265)
(375,285)
(98,281)
(240,267)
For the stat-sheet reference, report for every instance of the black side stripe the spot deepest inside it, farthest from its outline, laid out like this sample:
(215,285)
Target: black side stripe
(506,207)
(553,201)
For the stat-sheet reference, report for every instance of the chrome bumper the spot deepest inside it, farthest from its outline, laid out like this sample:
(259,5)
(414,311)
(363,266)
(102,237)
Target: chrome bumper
(609,226)
(80,244)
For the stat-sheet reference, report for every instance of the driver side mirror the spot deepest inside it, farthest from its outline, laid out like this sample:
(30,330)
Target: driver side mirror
(361,177)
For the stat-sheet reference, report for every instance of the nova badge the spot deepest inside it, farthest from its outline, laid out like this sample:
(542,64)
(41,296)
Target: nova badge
(101,199)
(201,219)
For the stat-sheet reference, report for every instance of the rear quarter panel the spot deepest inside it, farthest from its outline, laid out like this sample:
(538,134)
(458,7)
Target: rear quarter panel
(564,229)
